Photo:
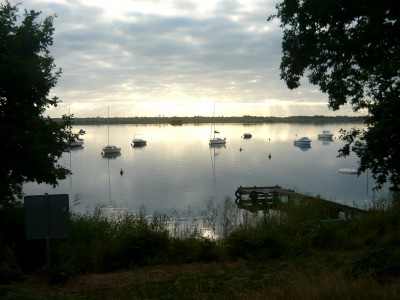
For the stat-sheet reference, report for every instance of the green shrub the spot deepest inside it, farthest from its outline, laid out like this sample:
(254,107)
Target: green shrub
(249,243)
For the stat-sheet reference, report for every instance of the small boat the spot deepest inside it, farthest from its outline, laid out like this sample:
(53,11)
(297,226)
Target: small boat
(138,141)
(77,143)
(110,149)
(304,141)
(326,134)
(247,135)
(216,140)
(348,171)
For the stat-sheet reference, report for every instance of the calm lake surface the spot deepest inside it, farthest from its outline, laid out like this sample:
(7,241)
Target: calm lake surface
(178,171)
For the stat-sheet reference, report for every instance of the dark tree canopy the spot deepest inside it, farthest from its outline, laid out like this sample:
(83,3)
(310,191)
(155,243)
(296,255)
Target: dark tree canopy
(31,142)
(351,50)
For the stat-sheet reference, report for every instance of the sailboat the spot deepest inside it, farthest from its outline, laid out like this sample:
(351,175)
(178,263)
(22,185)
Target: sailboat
(110,150)
(216,140)
(76,142)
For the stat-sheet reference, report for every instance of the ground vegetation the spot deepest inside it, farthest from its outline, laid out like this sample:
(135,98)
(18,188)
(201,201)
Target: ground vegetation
(303,252)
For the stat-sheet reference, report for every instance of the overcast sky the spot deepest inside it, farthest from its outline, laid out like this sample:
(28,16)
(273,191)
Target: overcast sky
(172,58)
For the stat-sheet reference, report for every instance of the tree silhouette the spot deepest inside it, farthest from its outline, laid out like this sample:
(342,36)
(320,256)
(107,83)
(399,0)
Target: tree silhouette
(351,50)
(31,142)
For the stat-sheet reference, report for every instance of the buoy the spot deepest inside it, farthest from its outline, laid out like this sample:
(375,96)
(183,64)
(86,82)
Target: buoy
(121,172)
(269,156)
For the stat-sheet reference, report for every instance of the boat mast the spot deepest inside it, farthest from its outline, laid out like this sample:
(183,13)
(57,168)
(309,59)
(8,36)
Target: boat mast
(108,127)
(214,121)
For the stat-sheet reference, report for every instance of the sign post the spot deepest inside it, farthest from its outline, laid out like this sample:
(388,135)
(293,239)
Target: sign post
(47,217)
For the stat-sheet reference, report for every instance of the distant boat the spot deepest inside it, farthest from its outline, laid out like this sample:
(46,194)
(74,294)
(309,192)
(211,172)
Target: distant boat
(110,149)
(348,171)
(138,141)
(304,141)
(326,134)
(216,140)
(247,135)
(77,143)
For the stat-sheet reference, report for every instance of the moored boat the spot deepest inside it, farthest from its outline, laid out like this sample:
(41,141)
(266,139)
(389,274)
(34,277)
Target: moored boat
(304,141)
(139,141)
(326,134)
(77,143)
(109,149)
(215,140)
(247,135)
(348,171)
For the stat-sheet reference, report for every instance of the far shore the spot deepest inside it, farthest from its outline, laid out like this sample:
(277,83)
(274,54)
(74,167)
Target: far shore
(205,120)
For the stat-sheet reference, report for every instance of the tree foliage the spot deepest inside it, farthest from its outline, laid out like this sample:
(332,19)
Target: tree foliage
(31,142)
(351,50)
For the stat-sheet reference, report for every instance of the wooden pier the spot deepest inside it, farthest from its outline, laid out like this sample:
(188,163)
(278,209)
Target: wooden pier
(269,197)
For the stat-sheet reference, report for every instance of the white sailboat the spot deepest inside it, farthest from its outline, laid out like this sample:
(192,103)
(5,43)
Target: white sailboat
(216,140)
(110,149)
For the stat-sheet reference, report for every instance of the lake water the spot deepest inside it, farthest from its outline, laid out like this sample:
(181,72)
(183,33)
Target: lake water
(178,171)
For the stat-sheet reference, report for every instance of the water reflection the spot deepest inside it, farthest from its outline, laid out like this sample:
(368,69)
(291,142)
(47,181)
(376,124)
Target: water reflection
(175,171)
(214,152)
(217,146)
(325,141)
(303,148)
(111,155)
(74,148)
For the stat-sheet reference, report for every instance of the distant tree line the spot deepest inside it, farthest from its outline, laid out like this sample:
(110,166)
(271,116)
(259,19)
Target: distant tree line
(246,119)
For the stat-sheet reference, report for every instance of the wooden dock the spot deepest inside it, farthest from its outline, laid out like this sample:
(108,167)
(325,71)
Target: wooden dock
(266,197)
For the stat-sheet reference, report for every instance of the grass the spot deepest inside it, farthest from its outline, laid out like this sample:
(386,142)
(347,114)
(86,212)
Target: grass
(295,252)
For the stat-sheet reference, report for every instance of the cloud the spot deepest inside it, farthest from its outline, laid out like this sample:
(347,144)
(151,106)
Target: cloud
(170,58)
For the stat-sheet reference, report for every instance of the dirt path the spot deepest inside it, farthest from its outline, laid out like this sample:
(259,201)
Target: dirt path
(113,283)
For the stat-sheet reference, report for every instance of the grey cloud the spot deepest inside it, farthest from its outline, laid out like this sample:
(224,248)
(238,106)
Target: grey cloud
(227,50)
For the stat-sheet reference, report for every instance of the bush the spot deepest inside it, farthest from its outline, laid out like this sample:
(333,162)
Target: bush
(248,243)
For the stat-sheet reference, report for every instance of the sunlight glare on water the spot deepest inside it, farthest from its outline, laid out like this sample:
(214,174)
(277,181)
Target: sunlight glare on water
(178,171)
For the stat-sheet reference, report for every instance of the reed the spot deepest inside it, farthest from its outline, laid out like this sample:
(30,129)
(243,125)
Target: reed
(297,250)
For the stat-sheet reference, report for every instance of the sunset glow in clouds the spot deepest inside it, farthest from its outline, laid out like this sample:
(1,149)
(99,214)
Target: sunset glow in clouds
(172,58)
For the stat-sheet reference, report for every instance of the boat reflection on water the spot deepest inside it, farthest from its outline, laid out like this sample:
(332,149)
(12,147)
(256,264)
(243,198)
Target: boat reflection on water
(73,148)
(304,144)
(111,155)
(325,141)
(303,148)
(217,146)
(180,188)
(213,156)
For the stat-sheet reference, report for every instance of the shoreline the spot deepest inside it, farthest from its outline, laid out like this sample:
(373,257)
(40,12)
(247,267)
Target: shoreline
(177,121)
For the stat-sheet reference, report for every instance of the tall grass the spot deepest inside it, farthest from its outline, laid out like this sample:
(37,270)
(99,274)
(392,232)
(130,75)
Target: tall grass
(300,233)
(222,232)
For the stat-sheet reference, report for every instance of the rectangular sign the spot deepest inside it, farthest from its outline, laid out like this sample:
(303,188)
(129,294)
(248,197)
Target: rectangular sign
(46,216)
